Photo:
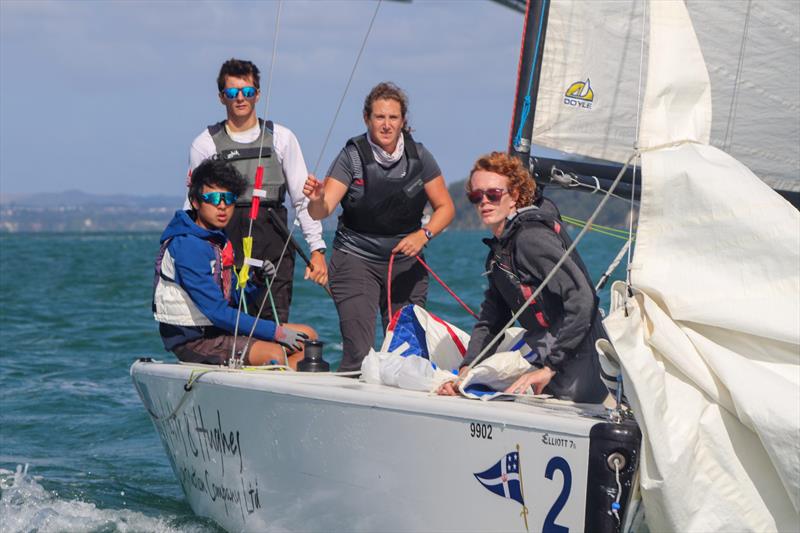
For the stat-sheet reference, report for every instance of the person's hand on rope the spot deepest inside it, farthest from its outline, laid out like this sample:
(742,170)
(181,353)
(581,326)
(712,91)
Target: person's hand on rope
(538,379)
(412,244)
(289,338)
(318,270)
(450,388)
(264,273)
(313,189)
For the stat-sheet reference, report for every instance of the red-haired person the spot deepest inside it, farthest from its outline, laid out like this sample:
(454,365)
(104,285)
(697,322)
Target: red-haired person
(528,240)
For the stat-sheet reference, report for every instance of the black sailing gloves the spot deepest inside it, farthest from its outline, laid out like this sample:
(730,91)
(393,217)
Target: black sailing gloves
(289,338)
(263,273)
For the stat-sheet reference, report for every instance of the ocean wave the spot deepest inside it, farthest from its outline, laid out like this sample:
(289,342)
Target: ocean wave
(26,506)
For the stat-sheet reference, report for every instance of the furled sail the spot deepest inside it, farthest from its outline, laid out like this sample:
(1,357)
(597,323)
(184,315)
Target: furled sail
(709,342)
(589,81)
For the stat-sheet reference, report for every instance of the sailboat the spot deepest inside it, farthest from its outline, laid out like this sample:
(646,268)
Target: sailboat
(706,339)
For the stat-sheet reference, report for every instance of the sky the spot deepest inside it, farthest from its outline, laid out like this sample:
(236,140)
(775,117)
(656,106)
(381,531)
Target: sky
(106,97)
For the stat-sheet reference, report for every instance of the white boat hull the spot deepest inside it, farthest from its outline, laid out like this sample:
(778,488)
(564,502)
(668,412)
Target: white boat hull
(280,451)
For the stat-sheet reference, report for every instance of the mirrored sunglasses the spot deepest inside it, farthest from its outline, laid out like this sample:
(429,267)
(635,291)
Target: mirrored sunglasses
(214,198)
(232,92)
(493,195)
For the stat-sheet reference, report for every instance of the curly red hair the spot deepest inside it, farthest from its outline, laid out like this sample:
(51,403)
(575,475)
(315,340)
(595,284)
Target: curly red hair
(520,183)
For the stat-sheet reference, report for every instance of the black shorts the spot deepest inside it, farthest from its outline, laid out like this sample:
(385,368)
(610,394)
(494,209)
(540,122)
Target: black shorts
(215,350)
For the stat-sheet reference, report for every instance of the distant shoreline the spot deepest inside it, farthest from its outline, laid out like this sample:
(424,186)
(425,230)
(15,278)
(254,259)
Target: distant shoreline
(79,212)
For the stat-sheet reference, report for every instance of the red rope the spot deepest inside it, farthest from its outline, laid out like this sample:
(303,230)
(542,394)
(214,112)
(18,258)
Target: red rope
(443,284)
(437,278)
(389,287)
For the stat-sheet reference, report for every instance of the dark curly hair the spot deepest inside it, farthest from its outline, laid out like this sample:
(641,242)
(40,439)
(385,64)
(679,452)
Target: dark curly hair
(387,90)
(215,172)
(520,183)
(238,68)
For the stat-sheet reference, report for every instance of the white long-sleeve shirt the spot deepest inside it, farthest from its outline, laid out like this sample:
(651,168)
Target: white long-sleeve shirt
(287,151)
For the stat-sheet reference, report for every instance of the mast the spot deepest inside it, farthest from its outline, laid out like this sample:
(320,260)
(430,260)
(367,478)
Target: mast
(530,65)
(546,169)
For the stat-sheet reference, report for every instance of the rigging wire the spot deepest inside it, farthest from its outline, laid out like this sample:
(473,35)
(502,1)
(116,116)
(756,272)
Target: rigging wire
(602,230)
(347,86)
(256,200)
(726,144)
(238,361)
(631,213)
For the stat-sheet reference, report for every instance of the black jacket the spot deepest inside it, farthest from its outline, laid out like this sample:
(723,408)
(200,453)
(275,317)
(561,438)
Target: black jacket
(564,323)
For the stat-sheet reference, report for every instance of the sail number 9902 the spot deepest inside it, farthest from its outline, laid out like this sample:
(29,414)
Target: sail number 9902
(480,431)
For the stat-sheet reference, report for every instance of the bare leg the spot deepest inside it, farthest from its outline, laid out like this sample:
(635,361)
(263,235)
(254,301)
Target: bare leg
(262,352)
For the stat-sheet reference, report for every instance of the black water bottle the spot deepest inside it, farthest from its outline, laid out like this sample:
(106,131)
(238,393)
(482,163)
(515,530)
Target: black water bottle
(313,360)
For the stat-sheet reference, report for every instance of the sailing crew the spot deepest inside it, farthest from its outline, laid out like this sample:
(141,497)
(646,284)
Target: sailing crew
(383,179)
(195,296)
(563,322)
(240,139)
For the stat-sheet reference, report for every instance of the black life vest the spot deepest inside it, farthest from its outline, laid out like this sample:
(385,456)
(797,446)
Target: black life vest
(547,309)
(244,156)
(378,205)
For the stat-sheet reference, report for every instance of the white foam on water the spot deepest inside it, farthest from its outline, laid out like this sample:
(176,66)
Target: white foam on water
(27,506)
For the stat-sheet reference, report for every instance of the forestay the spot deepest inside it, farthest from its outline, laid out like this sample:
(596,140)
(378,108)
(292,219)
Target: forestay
(589,84)
(710,342)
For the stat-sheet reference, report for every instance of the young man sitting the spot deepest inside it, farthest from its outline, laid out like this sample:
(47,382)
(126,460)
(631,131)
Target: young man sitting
(195,298)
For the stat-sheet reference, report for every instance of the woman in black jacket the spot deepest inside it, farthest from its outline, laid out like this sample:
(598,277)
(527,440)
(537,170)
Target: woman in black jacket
(563,322)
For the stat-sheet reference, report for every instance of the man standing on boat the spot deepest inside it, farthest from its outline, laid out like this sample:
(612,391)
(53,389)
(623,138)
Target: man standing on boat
(239,140)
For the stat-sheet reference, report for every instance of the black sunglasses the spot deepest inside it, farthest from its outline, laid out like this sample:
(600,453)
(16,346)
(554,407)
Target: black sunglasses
(493,195)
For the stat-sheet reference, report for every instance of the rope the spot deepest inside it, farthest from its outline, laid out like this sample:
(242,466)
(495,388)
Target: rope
(570,181)
(612,266)
(238,361)
(194,377)
(615,506)
(436,277)
(636,144)
(734,98)
(448,289)
(233,359)
(526,105)
(347,87)
(267,294)
(555,268)
(603,230)
(389,287)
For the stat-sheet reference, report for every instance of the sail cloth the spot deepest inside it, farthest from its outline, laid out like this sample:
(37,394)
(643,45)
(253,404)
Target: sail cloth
(710,343)
(589,82)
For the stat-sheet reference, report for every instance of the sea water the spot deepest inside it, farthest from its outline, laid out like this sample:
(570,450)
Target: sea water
(77,449)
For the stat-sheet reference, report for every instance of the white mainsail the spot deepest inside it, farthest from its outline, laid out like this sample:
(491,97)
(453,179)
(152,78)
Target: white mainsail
(751,47)
(710,343)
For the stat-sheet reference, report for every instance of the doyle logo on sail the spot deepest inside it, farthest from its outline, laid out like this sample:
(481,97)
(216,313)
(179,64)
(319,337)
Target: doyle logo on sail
(580,95)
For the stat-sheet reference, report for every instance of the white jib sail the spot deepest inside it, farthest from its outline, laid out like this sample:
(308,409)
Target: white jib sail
(710,343)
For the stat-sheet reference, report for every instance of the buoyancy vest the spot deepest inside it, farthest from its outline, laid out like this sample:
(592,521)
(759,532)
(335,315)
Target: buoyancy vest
(171,304)
(547,309)
(378,205)
(244,156)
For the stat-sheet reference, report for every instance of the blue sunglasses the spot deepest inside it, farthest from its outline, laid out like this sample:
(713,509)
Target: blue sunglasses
(232,92)
(214,198)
